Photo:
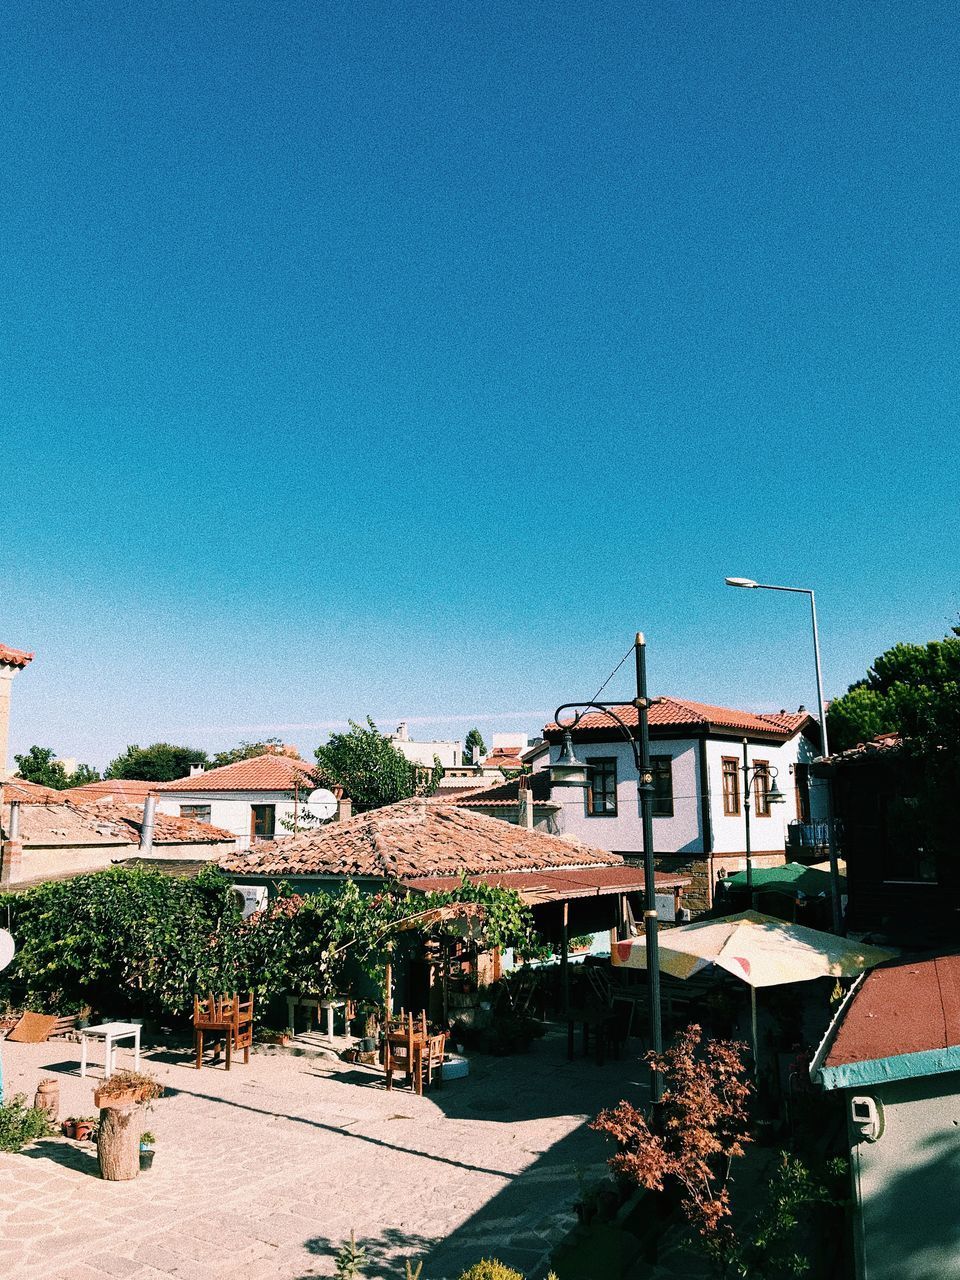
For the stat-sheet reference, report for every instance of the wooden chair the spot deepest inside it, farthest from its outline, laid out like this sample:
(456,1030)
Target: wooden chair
(409,1047)
(227,1019)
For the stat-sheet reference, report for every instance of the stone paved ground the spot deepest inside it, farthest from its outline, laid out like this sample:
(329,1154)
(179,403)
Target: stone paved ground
(261,1173)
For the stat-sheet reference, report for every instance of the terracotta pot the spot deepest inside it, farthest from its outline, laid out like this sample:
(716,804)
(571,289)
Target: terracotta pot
(128,1098)
(48,1098)
(82,1130)
(68,1128)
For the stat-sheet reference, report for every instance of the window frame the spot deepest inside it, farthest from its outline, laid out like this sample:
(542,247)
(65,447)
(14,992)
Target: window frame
(256,835)
(609,764)
(197,812)
(662,806)
(761,795)
(734,809)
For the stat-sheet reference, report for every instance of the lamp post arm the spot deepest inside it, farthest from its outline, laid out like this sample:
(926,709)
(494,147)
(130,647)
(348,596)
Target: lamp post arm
(607,709)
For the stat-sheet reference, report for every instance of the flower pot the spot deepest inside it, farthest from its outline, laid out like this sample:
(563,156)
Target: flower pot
(68,1129)
(368,1044)
(146,1158)
(82,1130)
(128,1098)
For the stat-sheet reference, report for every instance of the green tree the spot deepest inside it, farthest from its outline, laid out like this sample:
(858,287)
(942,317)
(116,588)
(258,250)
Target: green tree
(40,765)
(247,750)
(161,762)
(473,739)
(913,690)
(371,770)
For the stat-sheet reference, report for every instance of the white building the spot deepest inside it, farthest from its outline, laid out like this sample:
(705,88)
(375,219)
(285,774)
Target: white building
(252,798)
(448,752)
(698,811)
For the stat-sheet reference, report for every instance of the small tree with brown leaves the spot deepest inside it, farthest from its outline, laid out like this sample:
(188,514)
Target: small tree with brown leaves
(700,1129)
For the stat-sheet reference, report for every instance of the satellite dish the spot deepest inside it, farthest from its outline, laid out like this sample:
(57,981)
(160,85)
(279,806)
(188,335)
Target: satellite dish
(7,948)
(322,804)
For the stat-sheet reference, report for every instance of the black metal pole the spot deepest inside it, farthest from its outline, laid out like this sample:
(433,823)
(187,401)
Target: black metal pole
(746,820)
(645,794)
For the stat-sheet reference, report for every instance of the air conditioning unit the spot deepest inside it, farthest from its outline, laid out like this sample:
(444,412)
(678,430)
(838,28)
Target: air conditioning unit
(250,898)
(683,915)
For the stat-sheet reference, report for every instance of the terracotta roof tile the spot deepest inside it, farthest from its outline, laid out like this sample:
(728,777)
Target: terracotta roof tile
(669,713)
(118,788)
(259,773)
(14,657)
(62,823)
(416,838)
(167,829)
(30,792)
(507,794)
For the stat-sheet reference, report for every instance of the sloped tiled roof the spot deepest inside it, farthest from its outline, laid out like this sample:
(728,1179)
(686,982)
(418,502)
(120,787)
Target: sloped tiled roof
(259,773)
(167,829)
(29,792)
(416,838)
(670,713)
(14,657)
(65,824)
(507,794)
(118,788)
(911,1006)
(504,758)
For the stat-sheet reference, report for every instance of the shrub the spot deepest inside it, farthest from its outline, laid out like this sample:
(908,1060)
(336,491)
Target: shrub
(20,1124)
(490,1269)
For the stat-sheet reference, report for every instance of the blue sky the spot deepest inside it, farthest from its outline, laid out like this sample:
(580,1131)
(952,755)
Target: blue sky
(407,358)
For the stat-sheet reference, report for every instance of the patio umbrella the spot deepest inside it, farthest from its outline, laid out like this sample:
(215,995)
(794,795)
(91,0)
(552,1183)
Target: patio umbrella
(760,950)
(792,879)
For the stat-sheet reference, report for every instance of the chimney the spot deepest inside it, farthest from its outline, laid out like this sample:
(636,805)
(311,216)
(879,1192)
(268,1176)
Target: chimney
(344,808)
(14,832)
(146,828)
(11,863)
(475,754)
(525,796)
(195,769)
(403,733)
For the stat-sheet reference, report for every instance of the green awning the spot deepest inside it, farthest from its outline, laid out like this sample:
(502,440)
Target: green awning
(791,879)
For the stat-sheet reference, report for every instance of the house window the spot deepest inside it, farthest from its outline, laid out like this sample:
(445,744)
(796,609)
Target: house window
(602,788)
(761,787)
(801,774)
(199,811)
(662,786)
(731,787)
(262,821)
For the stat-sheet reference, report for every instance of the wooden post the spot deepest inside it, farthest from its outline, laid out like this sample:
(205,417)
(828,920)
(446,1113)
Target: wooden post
(118,1146)
(388,984)
(564,953)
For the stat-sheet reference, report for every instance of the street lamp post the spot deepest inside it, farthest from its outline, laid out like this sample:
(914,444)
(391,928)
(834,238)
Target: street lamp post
(821,711)
(766,773)
(568,771)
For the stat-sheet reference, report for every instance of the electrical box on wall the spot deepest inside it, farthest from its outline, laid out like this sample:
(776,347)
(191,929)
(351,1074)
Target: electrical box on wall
(867,1116)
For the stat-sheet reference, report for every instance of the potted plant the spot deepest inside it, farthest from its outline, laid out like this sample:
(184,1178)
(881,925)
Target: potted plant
(69,1127)
(126,1089)
(280,1037)
(83,1128)
(147,1150)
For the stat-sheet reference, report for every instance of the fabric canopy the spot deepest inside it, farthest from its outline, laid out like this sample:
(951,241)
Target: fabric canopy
(792,879)
(760,950)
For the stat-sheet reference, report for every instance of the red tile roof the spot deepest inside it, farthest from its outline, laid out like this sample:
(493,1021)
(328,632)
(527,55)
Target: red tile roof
(417,838)
(504,758)
(119,788)
(259,773)
(507,794)
(14,657)
(902,1007)
(30,792)
(678,713)
(127,821)
(549,886)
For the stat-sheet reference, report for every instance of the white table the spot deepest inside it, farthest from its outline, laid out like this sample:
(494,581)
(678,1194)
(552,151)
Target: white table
(110,1033)
(322,1006)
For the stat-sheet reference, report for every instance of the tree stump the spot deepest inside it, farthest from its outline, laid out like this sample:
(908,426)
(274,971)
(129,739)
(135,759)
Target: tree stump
(118,1146)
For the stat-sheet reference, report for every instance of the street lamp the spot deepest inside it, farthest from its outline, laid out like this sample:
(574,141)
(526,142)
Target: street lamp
(569,771)
(766,773)
(821,711)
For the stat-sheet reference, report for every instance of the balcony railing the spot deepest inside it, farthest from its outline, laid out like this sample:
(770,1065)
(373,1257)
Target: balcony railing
(809,841)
